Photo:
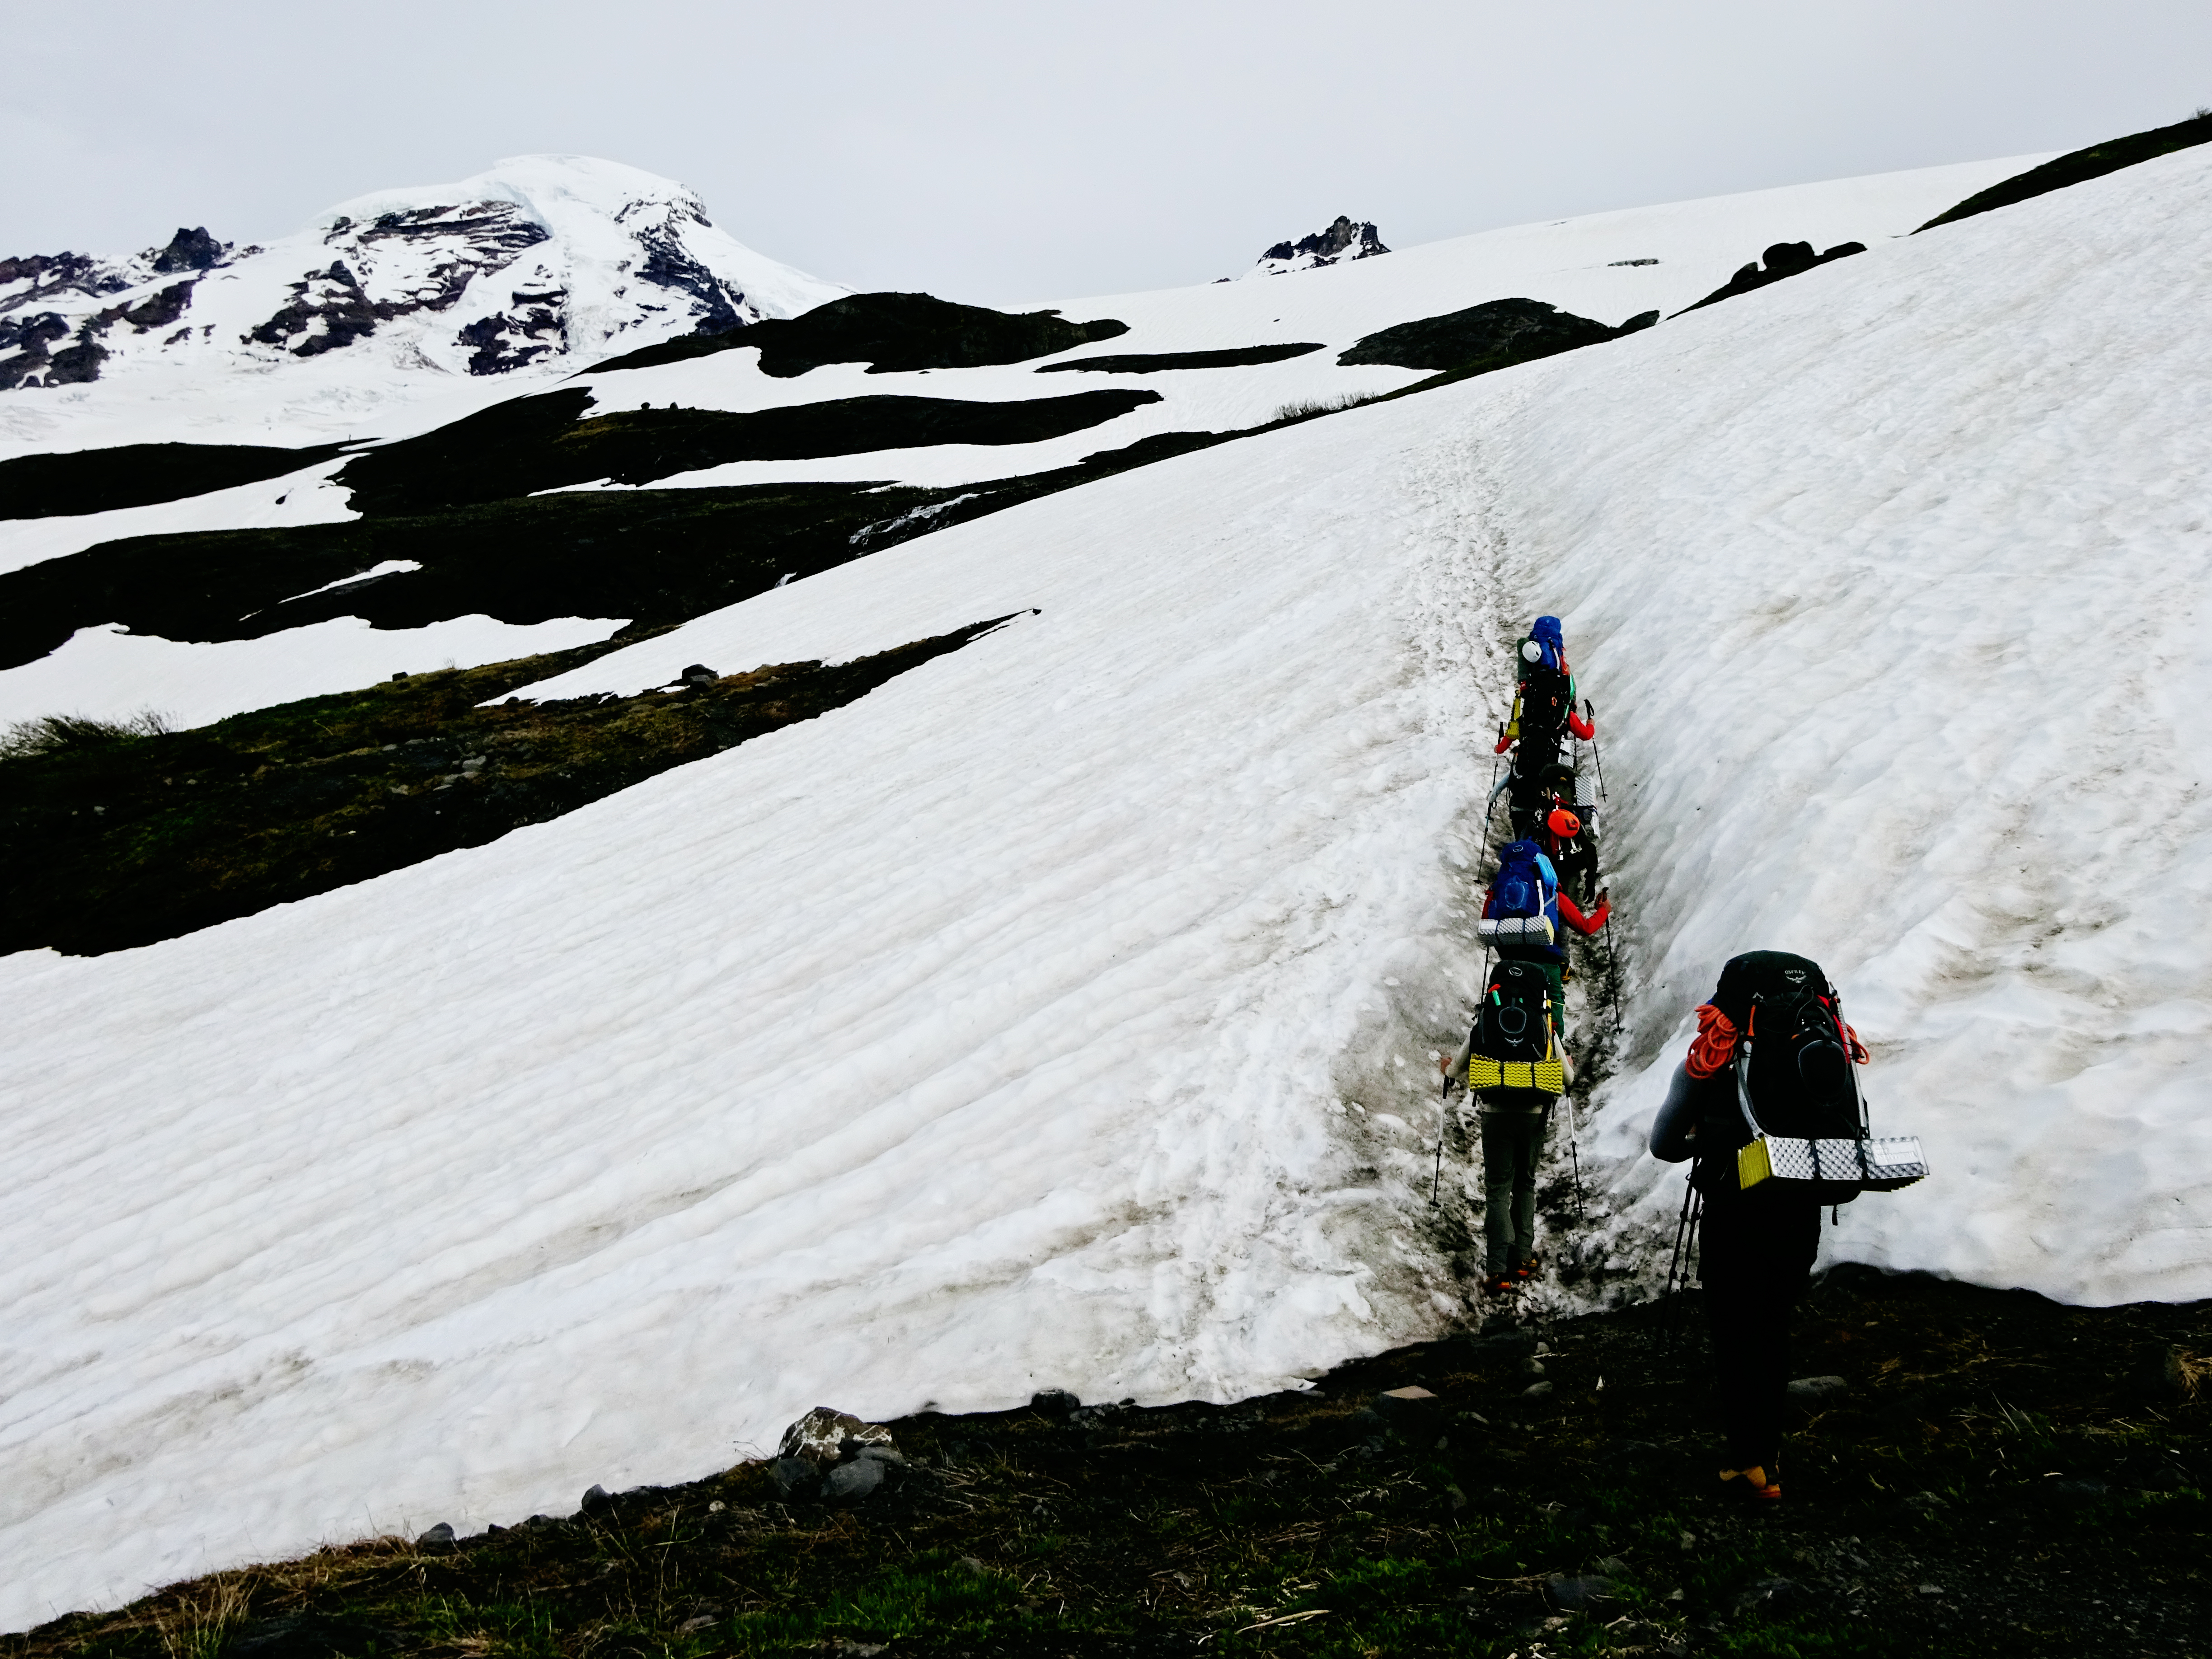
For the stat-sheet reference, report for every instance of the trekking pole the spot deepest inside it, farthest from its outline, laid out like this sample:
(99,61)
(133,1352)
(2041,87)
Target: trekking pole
(1589,714)
(1612,976)
(1443,1117)
(1674,1263)
(1575,1158)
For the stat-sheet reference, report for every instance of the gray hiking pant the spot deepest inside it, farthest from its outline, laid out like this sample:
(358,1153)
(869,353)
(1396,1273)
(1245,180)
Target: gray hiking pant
(1512,1144)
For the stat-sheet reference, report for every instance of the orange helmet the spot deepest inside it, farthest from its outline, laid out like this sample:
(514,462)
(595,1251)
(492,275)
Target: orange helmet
(1563,823)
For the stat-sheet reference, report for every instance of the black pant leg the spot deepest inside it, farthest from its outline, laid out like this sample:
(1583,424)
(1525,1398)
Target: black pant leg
(1755,1253)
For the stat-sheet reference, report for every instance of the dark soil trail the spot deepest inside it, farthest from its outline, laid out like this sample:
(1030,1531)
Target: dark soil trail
(1997,1475)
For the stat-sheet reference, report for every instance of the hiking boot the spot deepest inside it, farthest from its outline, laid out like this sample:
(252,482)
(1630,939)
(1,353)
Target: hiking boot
(1752,1487)
(1501,1283)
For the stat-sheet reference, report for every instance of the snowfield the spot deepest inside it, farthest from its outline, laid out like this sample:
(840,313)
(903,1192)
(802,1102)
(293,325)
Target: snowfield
(1060,1014)
(1610,266)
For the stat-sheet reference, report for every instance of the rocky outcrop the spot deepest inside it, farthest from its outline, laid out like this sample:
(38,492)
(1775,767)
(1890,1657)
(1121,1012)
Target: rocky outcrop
(1495,334)
(1782,259)
(190,250)
(1344,239)
(535,326)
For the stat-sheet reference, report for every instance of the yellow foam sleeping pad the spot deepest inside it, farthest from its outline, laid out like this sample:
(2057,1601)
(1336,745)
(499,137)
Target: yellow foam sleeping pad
(1549,1075)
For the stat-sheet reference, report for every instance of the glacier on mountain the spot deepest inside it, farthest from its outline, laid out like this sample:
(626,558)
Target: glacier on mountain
(542,261)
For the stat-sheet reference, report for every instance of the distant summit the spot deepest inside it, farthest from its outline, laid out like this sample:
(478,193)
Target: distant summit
(1346,238)
(542,260)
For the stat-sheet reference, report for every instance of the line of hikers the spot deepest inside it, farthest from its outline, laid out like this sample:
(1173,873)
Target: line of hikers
(1766,1106)
(1515,1061)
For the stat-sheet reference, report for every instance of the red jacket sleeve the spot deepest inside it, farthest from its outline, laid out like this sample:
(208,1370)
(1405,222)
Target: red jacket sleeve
(1505,743)
(1581,728)
(1715,1044)
(1586,925)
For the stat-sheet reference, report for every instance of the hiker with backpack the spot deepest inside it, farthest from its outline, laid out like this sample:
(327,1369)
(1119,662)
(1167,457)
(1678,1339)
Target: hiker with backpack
(1513,1064)
(1543,701)
(1768,1105)
(1522,914)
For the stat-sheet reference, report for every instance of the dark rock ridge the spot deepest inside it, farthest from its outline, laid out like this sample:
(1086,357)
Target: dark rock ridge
(2080,166)
(1783,259)
(1495,334)
(1154,362)
(892,333)
(1344,239)
(136,475)
(540,443)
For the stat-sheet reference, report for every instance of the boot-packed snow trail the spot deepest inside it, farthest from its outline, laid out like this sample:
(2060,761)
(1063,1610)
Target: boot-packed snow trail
(1061,1013)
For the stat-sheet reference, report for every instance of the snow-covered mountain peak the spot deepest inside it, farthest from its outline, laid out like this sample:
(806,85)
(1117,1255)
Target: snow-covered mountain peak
(1344,239)
(542,259)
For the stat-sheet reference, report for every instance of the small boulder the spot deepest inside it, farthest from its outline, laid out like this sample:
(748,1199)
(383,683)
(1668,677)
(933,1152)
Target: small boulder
(1535,1391)
(597,1498)
(1053,1402)
(853,1482)
(796,1478)
(1411,1409)
(696,673)
(440,1537)
(1817,1393)
(820,1436)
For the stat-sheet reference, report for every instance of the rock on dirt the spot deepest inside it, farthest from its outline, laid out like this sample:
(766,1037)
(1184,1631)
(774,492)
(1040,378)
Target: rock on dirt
(820,1437)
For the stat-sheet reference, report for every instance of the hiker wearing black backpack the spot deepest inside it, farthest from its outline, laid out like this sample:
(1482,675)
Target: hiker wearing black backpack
(1772,1067)
(1512,1064)
(1543,701)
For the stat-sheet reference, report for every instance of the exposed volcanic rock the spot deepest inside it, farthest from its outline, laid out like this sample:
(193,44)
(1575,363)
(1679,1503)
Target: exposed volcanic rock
(27,338)
(190,250)
(1782,259)
(135,474)
(714,303)
(328,309)
(1154,362)
(892,333)
(534,328)
(46,274)
(533,444)
(1344,239)
(1495,334)
(2078,166)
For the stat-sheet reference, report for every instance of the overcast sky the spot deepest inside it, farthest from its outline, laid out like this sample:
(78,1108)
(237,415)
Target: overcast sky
(1010,151)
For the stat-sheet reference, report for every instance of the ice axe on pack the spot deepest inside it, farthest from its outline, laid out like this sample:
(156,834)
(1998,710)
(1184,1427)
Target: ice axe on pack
(1589,714)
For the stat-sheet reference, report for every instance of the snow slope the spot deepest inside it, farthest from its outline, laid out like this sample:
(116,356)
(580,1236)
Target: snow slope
(1579,264)
(1573,264)
(1058,1014)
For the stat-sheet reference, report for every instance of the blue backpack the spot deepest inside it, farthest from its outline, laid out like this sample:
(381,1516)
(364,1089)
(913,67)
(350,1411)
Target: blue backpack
(1551,645)
(1524,897)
